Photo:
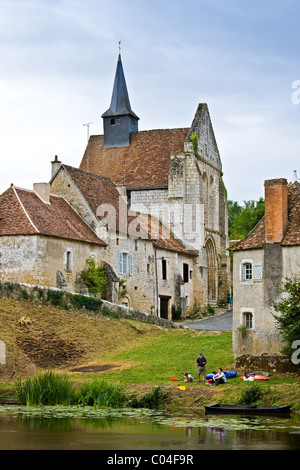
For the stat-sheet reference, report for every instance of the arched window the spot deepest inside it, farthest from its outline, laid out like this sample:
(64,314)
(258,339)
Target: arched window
(212,270)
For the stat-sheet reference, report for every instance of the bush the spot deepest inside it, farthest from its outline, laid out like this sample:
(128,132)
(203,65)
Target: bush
(251,395)
(90,303)
(153,399)
(94,276)
(288,321)
(101,394)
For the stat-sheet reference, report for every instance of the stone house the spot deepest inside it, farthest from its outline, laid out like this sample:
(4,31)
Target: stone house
(261,262)
(174,174)
(43,240)
(156,269)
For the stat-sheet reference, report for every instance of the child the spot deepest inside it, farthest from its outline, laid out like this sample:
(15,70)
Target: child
(188,377)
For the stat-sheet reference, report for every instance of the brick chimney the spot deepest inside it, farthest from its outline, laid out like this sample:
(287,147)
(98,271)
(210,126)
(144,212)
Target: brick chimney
(276,209)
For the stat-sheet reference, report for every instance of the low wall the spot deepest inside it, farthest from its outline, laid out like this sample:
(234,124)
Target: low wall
(72,300)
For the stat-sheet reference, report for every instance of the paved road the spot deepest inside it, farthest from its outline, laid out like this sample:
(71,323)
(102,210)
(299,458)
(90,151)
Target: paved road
(221,322)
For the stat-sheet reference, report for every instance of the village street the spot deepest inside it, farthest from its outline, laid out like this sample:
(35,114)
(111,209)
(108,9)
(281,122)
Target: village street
(220,322)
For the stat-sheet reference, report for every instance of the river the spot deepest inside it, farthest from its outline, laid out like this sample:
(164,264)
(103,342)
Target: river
(77,428)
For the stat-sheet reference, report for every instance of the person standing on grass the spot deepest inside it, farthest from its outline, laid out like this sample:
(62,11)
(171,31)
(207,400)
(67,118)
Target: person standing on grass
(201,363)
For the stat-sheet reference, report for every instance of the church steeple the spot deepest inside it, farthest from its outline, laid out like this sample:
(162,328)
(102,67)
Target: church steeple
(119,121)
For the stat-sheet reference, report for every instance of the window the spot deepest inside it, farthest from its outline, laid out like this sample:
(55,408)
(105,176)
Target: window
(125,263)
(68,261)
(247,272)
(164,269)
(251,272)
(248,319)
(185,272)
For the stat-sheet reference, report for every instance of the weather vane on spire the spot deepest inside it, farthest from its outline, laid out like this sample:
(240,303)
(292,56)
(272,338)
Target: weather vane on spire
(119,47)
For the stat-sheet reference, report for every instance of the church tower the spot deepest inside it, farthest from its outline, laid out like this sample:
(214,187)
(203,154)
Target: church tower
(119,121)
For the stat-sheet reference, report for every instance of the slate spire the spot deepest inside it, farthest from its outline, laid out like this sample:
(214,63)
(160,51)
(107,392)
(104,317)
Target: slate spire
(119,120)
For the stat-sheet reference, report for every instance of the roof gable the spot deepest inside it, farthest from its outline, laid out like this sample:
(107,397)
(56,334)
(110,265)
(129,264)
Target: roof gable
(143,164)
(24,213)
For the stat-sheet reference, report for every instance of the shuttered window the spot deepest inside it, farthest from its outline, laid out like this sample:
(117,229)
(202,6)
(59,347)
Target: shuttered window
(125,263)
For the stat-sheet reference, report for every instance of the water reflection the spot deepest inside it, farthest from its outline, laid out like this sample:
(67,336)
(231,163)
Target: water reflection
(88,428)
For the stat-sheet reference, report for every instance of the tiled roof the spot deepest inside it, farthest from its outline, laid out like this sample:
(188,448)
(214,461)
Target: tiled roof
(256,238)
(143,164)
(99,190)
(24,213)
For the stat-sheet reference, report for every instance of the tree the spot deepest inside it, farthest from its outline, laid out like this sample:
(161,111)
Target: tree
(288,321)
(242,219)
(94,276)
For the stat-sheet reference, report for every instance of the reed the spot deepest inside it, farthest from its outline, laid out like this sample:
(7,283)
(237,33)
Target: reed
(99,393)
(46,389)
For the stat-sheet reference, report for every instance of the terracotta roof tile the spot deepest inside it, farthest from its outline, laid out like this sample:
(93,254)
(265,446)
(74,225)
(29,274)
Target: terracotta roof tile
(24,213)
(99,190)
(143,164)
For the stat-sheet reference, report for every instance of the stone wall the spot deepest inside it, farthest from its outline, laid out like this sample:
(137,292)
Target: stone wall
(65,299)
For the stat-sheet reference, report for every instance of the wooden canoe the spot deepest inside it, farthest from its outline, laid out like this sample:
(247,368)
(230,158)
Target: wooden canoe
(217,408)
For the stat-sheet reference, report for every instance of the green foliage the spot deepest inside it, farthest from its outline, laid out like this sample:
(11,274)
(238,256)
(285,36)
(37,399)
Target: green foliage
(209,310)
(153,399)
(176,313)
(242,330)
(56,298)
(251,394)
(46,389)
(101,394)
(242,219)
(94,276)
(109,313)
(288,321)
(194,139)
(83,301)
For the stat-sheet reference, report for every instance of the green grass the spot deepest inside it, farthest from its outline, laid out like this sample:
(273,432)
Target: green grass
(171,354)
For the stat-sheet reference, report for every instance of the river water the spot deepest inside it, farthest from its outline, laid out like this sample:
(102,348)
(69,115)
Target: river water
(77,428)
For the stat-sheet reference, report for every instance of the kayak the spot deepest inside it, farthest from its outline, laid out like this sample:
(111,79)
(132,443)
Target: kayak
(256,377)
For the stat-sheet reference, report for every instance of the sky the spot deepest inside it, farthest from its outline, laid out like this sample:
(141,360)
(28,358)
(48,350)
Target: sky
(58,60)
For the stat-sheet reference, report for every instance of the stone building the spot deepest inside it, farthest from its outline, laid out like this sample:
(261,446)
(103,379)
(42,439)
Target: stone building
(155,270)
(174,174)
(261,262)
(43,241)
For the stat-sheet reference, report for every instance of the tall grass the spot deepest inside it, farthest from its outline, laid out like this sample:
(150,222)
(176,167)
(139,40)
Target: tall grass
(46,389)
(56,389)
(101,394)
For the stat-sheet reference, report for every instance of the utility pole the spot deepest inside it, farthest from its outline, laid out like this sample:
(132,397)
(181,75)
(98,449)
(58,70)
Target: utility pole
(88,143)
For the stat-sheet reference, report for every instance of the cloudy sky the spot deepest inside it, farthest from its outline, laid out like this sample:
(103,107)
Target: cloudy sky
(241,57)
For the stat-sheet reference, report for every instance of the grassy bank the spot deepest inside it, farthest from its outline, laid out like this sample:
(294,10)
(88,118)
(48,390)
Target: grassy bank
(132,355)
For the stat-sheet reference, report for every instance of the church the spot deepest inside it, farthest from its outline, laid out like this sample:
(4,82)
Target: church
(150,206)
(172,174)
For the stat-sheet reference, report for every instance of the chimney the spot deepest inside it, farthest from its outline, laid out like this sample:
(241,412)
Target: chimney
(43,191)
(276,209)
(55,165)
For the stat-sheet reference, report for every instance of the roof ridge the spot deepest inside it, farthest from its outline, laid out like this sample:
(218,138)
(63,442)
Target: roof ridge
(22,206)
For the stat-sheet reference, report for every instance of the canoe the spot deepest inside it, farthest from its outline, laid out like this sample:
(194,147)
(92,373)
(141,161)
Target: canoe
(217,408)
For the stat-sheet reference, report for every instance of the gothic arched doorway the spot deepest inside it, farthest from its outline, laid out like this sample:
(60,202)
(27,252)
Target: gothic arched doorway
(212,270)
